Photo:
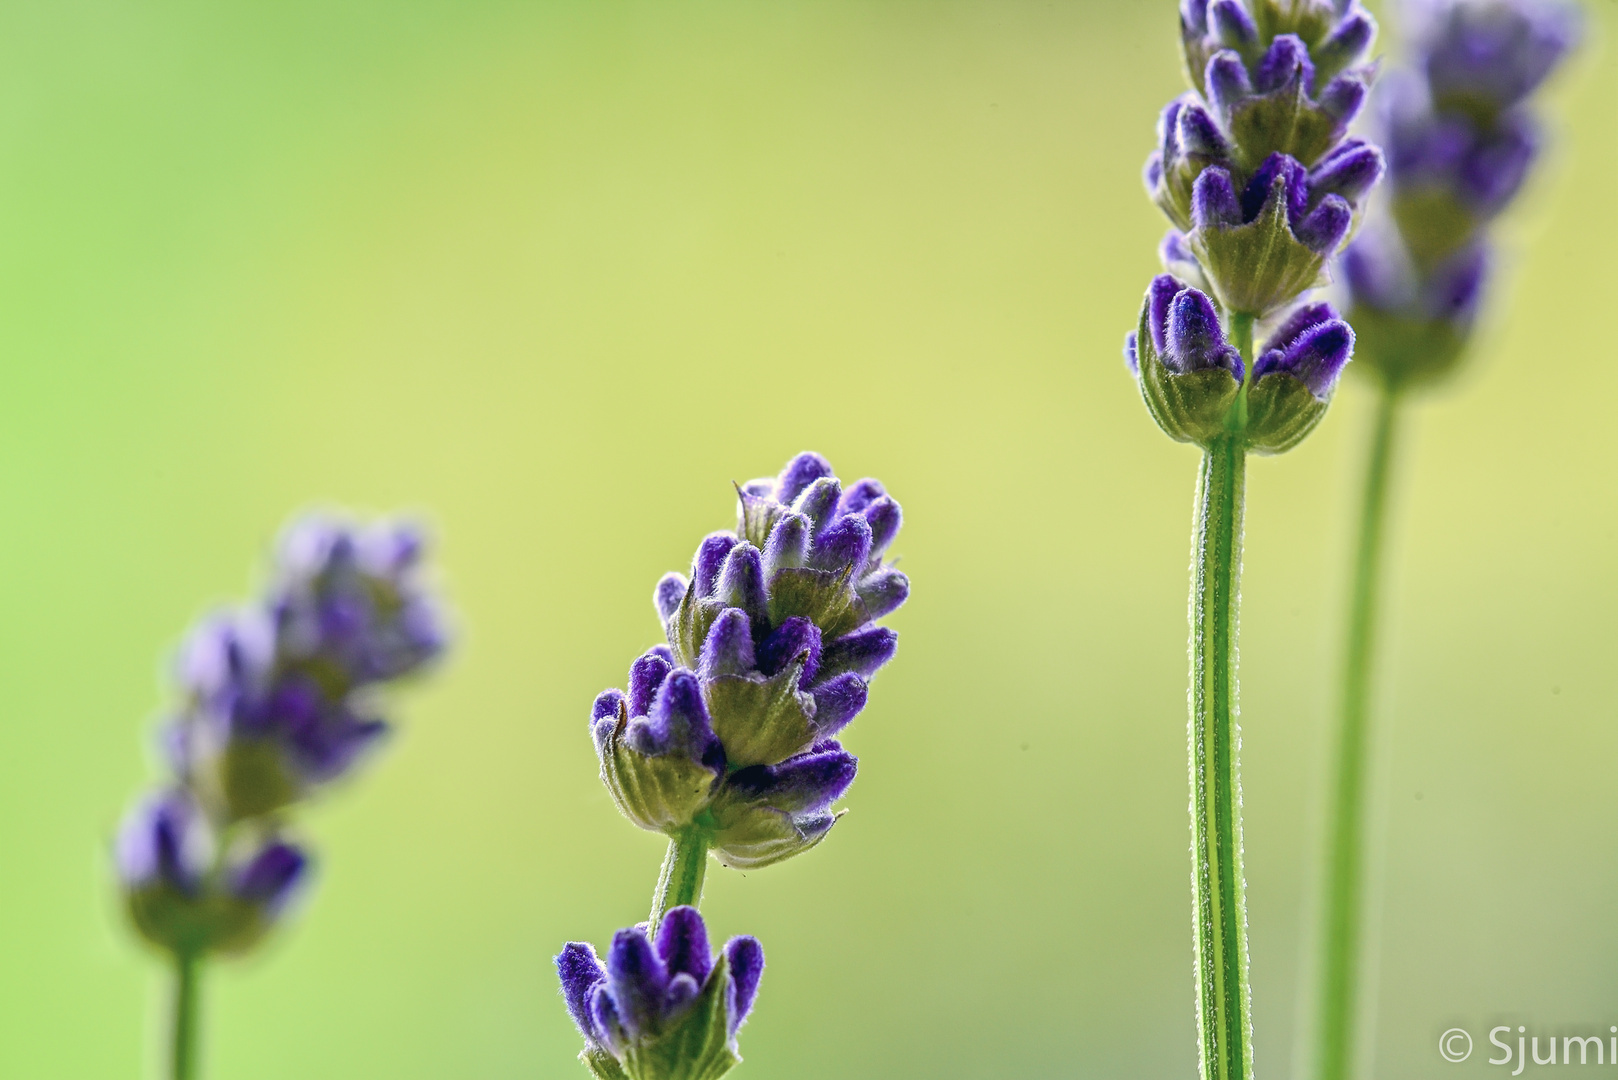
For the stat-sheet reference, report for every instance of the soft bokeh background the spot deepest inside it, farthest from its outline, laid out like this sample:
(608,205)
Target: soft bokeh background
(552,275)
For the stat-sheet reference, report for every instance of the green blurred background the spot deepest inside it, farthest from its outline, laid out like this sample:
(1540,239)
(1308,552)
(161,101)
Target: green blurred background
(552,275)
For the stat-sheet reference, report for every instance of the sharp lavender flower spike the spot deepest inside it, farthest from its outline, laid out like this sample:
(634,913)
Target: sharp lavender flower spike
(1263,186)
(727,729)
(1461,143)
(663,1009)
(1252,165)
(276,693)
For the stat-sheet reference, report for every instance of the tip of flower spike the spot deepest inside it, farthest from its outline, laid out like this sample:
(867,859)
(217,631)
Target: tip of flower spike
(799,473)
(746,960)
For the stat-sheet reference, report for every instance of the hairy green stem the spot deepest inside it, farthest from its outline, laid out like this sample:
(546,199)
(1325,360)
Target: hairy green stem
(183,1049)
(1218,891)
(1342,894)
(680,880)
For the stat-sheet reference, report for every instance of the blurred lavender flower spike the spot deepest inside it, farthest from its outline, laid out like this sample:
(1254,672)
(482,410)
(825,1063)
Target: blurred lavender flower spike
(166,858)
(277,694)
(663,1010)
(1461,142)
(772,643)
(1486,57)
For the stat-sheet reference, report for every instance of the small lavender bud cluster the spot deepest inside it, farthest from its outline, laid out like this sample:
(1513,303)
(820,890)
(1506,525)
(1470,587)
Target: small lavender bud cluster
(1461,141)
(667,1010)
(276,702)
(1255,171)
(730,727)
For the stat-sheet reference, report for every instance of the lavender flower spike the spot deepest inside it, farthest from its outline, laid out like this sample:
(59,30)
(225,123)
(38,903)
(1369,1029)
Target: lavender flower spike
(727,731)
(1253,165)
(1461,141)
(275,693)
(663,1009)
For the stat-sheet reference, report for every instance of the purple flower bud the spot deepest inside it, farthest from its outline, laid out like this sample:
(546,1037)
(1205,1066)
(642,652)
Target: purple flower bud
(746,957)
(1194,340)
(1455,286)
(844,543)
(1260,187)
(1344,96)
(799,473)
(884,517)
(1194,16)
(1197,133)
(788,545)
(860,496)
(819,502)
(1228,82)
(607,703)
(741,581)
(862,652)
(1315,358)
(164,843)
(804,784)
(682,944)
(1286,63)
(1159,295)
(883,592)
(1231,24)
(580,972)
(1131,354)
(638,980)
(271,877)
(668,594)
(1325,228)
(1351,171)
(646,674)
(729,647)
(1347,44)
(1213,200)
(795,637)
(1305,317)
(837,701)
(677,722)
(1496,164)
(710,560)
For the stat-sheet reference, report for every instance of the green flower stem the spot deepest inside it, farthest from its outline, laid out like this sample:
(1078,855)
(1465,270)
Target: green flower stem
(1340,923)
(680,881)
(187,979)
(1218,891)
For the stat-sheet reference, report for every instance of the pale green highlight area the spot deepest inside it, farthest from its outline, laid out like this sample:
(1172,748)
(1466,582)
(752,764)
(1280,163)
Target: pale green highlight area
(555,274)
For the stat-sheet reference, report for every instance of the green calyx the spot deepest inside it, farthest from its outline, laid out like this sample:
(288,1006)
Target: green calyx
(1405,350)
(1268,415)
(196,925)
(1283,122)
(1261,266)
(695,1045)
